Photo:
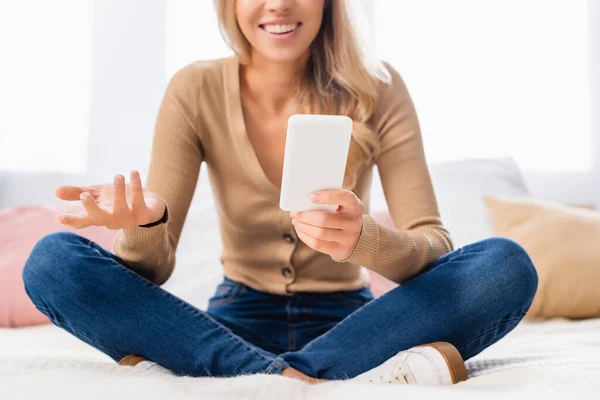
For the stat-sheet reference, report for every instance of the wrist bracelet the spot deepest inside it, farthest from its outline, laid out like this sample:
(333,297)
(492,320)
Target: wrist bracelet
(162,220)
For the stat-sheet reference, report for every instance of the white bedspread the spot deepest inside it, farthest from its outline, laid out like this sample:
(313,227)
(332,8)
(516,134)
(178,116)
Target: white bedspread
(552,359)
(538,360)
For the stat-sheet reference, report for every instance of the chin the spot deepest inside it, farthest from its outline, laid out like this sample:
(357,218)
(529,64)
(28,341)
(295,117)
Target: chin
(280,56)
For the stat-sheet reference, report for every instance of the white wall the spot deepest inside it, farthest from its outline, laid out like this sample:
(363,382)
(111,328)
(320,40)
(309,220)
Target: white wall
(45,80)
(128,80)
(128,83)
(582,187)
(502,78)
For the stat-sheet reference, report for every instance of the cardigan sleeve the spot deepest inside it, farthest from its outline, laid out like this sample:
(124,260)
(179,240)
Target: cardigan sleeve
(419,237)
(175,162)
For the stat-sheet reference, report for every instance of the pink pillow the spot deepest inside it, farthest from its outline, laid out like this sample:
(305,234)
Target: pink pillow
(379,284)
(20,229)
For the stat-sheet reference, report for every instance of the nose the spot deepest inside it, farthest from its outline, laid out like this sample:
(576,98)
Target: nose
(279,6)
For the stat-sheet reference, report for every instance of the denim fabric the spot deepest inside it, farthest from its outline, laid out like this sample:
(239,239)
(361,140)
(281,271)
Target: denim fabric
(470,297)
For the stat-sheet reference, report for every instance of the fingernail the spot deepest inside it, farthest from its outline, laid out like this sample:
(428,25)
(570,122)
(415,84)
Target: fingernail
(83,197)
(314,197)
(293,214)
(118,180)
(134,175)
(293,221)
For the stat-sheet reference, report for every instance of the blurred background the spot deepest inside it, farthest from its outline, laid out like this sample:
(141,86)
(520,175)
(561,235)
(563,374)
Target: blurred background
(81,82)
(508,97)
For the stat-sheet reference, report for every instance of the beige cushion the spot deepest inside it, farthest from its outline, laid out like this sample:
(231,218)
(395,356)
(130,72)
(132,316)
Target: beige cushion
(564,244)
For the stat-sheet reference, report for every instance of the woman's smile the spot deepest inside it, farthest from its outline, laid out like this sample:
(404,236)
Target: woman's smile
(280,30)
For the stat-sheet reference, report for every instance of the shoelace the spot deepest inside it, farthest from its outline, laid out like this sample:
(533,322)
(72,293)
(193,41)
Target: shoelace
(395,376)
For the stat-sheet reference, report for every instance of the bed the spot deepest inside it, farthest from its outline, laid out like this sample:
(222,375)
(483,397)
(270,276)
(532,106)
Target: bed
(546,359)
(550,359)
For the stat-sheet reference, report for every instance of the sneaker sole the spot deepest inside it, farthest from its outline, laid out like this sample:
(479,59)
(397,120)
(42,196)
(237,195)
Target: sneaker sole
(456,365)
(130,360)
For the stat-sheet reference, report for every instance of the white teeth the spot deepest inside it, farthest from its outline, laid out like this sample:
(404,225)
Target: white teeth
(273,28)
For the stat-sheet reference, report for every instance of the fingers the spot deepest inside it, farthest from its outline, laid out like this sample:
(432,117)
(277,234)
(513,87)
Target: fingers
(120,208)
(322,246)
(317,232)
(349,203)
(97,215)
(78,221)
(323,218)
(112,214)
(140,210)
(71,193)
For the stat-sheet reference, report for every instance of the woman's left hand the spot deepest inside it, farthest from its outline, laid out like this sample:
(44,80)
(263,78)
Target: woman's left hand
(331,232)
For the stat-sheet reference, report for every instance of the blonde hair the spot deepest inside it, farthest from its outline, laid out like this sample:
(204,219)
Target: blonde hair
(340,79)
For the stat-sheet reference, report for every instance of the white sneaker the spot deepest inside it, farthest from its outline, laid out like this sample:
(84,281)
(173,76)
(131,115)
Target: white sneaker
(437,363)
(139,362)
(153,366)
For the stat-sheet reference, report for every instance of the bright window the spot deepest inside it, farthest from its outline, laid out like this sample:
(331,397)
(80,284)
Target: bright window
(494,78)
(192,34)
(45,73)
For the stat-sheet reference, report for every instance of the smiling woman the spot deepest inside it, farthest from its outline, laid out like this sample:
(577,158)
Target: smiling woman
(295,299)
(321,38)
(277,38)
(281,30)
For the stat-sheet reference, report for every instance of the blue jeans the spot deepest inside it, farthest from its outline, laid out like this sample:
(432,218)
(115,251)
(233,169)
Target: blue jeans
(470,297)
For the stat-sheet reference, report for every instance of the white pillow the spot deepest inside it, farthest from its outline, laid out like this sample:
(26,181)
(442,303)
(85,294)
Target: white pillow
(460,187)
(198,268)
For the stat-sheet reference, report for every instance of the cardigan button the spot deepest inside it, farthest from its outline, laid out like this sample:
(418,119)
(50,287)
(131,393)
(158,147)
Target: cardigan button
(286,271)
(288,238)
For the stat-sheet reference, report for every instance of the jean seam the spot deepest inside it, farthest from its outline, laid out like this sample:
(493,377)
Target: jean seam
(280,366)
(343,297)
(216,323)
(44,310)
(185,305)
(319,338)
(445,258)
(460,251)
(85,335)
(235,292)
(224,300)
(41,308)
(506,320)
(352,302)
(288,324)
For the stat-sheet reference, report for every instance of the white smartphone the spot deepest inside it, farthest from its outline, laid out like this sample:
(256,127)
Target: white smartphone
(316,152)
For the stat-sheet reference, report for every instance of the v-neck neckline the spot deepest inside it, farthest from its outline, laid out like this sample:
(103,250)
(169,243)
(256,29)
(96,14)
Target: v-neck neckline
(244,147)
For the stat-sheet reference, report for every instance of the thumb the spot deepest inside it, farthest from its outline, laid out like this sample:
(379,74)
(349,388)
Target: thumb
(72,192)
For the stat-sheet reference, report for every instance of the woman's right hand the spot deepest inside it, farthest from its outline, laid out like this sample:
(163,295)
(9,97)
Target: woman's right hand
(115,206)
